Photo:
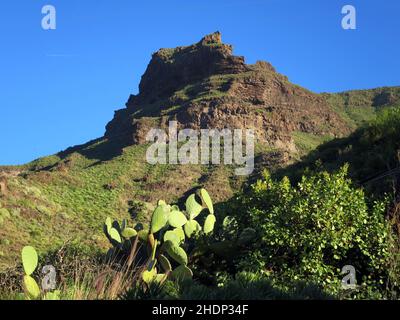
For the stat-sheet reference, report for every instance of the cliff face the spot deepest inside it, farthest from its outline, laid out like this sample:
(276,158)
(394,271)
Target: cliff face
(171,69)
(205,86)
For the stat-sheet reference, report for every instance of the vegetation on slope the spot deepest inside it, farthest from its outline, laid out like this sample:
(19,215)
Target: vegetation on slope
(311,230)
(66,197)
(358,107)
(372,152)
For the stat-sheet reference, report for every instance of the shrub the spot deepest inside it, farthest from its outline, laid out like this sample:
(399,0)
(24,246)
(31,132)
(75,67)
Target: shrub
(309,232)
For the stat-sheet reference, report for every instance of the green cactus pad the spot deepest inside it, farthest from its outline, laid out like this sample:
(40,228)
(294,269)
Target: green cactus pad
(209,223)
(177,236)
(114,235)
(182,273)
(176,253)
(148,276)
(129,233)
(191,227)
(31,287)
(160,278)
(193,208)
(180,233)
(29,259)
(108,224)
(164,262)
(172,236)
(207,200)
(159,219)
(177,219)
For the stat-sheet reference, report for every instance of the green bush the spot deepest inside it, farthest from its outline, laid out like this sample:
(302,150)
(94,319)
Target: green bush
(309,232)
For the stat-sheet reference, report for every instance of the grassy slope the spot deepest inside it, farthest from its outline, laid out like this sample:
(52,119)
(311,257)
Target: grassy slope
(68,197)
(356,107)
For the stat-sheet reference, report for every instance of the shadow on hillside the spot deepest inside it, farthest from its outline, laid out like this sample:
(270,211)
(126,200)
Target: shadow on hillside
(101,149)
(373,160)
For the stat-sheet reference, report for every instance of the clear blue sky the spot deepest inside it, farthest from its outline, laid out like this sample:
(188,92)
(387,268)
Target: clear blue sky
(59,88)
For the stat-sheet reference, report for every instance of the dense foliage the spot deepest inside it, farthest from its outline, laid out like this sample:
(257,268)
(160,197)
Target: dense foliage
(312,230)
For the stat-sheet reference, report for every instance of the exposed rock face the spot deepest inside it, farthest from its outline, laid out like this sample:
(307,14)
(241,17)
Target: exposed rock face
(205,86)
(171,69)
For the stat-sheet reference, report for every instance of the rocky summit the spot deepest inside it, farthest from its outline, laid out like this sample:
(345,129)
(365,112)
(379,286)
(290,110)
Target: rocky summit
(205,86)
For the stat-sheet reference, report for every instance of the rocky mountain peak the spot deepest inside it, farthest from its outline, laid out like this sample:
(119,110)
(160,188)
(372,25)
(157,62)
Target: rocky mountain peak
(205,86)
(213,38)
(170,69)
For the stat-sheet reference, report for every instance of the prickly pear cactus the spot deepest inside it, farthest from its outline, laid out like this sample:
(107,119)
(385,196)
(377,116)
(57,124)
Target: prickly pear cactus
(205,197)
(209,224)
(31,287)
(30,262)
(165,239)
(118,234)
(29,259)
(173,227)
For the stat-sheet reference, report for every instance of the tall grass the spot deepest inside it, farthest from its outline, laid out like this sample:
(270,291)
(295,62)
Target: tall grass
(80,275)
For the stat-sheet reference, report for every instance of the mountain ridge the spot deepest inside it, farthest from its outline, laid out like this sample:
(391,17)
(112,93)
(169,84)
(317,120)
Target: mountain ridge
(206,86)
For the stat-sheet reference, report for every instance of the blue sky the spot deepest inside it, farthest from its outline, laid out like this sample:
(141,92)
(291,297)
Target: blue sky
(59,88)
